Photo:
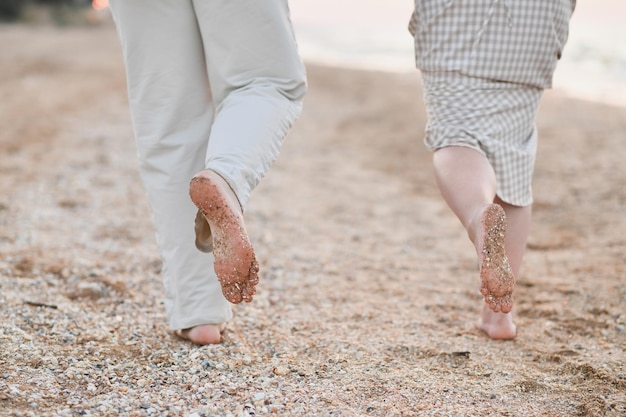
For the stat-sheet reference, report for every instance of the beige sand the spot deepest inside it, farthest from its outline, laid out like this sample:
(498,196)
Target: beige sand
(368,289)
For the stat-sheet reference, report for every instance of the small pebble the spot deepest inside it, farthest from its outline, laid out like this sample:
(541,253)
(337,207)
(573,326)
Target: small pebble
(281,370)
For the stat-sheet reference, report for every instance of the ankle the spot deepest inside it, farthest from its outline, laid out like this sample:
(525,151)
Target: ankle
(474,227)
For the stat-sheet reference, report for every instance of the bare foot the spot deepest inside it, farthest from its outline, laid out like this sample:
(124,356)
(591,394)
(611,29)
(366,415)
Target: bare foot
(497,280)
(235,263)
(497,325)
(204,334)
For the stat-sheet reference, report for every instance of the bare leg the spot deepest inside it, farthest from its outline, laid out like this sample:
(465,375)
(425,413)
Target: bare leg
(468,185)
(466,182)
(235,263)
(204,334)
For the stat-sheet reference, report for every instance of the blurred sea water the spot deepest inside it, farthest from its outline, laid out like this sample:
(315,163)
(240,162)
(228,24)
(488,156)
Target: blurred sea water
(372,34)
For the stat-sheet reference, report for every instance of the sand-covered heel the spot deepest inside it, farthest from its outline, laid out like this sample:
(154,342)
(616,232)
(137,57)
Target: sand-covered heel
(235,262)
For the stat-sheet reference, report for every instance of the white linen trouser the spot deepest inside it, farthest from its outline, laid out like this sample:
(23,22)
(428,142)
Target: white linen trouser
(212,84)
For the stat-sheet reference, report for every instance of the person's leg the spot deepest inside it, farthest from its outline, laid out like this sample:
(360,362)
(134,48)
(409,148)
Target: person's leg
(518,228)
(467,183)
(258,83)
(172,116)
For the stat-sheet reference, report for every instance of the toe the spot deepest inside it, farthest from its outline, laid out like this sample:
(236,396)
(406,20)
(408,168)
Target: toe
(232,293)
(248,292)
(506,304)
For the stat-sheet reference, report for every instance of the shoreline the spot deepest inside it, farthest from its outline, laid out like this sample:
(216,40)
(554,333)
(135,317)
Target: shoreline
(571,93)
(593,66)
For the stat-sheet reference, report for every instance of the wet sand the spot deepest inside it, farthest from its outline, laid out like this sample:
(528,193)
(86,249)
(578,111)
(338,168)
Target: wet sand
(368,289)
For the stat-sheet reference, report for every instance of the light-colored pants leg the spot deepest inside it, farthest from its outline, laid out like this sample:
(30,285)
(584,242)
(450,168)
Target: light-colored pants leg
(257,81)
(172,55)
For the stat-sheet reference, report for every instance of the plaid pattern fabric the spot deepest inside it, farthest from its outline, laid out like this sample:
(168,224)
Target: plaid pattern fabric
(493,118)
(516,41)
(484,64)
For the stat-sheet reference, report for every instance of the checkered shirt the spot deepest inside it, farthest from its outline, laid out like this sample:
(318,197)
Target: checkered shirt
(505,40)
(484,64)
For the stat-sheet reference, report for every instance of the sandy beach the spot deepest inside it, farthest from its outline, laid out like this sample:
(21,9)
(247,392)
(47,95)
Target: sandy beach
(369,289)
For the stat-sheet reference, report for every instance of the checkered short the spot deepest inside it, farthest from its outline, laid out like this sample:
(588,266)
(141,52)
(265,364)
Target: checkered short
(484,64)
